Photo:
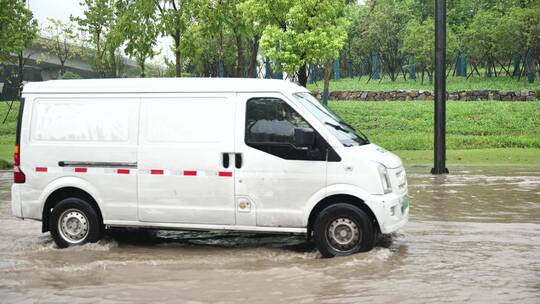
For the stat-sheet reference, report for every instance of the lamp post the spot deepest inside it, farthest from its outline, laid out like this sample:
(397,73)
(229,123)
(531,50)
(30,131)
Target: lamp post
(439,163)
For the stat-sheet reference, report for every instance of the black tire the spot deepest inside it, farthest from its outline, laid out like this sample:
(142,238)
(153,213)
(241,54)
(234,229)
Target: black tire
(87,214)
(348,218)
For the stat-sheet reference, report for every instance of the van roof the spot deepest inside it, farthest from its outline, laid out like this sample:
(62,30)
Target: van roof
(162,85)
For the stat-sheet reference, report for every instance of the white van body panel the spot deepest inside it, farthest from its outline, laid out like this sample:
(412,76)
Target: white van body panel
(277,188)
(138,86)
(115,139)
(182,139)
(79,183)
(359,173)
(380,205)
(54,133)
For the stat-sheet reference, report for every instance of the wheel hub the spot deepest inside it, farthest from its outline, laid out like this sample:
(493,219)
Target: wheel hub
(73,226)
(343,234)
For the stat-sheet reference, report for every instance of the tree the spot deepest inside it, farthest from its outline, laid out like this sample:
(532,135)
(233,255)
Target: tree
(175,16)
(61,41)
(240,28)
(419,40)
(360,50)
(258,14)
(481,39)
(137,27)
(99,21)
(311,32)
(18,30)
(383,32)
(201,49)
(520,32)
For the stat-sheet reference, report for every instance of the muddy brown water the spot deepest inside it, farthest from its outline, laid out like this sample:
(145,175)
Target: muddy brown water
(473,236)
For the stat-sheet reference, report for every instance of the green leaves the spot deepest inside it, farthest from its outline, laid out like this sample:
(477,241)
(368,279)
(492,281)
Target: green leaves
(379,30)
(309,32)
(61,40)
(419,39)
(481,35)
(138,29)
(17,28)
(99,21)
(520,30)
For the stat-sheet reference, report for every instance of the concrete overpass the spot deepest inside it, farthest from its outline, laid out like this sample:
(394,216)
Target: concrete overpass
(43,66)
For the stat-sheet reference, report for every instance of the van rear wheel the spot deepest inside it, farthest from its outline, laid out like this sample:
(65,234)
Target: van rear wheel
(343,229)
(74,222)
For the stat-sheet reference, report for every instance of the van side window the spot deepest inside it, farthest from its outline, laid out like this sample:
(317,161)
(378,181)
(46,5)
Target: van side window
(270,127)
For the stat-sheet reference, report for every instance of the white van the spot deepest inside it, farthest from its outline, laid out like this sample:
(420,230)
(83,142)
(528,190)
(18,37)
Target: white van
(200,154)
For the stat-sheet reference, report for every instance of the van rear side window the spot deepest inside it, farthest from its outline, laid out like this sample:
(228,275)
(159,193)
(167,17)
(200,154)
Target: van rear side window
(82,120)
(186,120)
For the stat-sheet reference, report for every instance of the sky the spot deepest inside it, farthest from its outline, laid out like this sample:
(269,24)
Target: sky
(57,9)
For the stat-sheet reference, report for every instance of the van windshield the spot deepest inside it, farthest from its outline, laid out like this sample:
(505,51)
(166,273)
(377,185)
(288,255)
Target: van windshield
(344,132)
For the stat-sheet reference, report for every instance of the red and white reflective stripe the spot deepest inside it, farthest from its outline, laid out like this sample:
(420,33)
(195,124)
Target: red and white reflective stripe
(125,171)
(122,171)
(186,172)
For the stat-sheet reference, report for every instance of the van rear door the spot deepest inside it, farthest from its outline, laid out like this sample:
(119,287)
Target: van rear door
(184,176)
(90,139)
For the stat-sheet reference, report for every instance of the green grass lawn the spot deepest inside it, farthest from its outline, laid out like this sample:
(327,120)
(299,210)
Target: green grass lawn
(7,134)
(480,132)
(408,125)
(453,84)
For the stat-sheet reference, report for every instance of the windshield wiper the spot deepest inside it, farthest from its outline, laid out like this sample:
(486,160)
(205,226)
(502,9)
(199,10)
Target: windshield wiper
(362,135)
(337,127)
(347,125)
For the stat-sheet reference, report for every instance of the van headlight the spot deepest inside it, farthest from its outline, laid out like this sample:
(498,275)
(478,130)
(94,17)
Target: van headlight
(385,180)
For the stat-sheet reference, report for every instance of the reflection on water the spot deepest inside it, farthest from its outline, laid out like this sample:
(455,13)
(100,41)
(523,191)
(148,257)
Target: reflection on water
(473,236)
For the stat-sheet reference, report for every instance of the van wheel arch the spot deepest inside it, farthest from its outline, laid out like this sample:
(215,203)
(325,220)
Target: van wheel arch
(340,198)
(60,194)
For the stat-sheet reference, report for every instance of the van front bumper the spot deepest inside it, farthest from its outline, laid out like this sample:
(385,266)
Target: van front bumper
(391,210)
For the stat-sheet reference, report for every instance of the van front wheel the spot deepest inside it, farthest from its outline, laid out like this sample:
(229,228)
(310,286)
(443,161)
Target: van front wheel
(74,222)
(343,229)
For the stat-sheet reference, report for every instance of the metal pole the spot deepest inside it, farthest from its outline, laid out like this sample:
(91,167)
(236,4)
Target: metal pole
(439,164)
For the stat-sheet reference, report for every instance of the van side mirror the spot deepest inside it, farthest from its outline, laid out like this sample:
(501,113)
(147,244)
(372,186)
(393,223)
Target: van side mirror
(304,137)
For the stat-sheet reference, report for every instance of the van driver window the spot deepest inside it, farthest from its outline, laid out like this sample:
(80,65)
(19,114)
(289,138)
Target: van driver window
(271,120)
(270,127)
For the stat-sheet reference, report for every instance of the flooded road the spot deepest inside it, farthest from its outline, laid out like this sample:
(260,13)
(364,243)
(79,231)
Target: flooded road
(473,236)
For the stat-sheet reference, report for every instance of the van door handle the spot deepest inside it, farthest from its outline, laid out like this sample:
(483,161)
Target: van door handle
(238,160)
(225,160)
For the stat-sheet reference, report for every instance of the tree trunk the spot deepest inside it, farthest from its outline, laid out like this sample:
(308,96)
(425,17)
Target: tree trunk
(326,81)
(20,72)
(239,56)
(177,63)
(142,65)
(112,66)
(220,67)
(253,59)
(302,75)
(62,69)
